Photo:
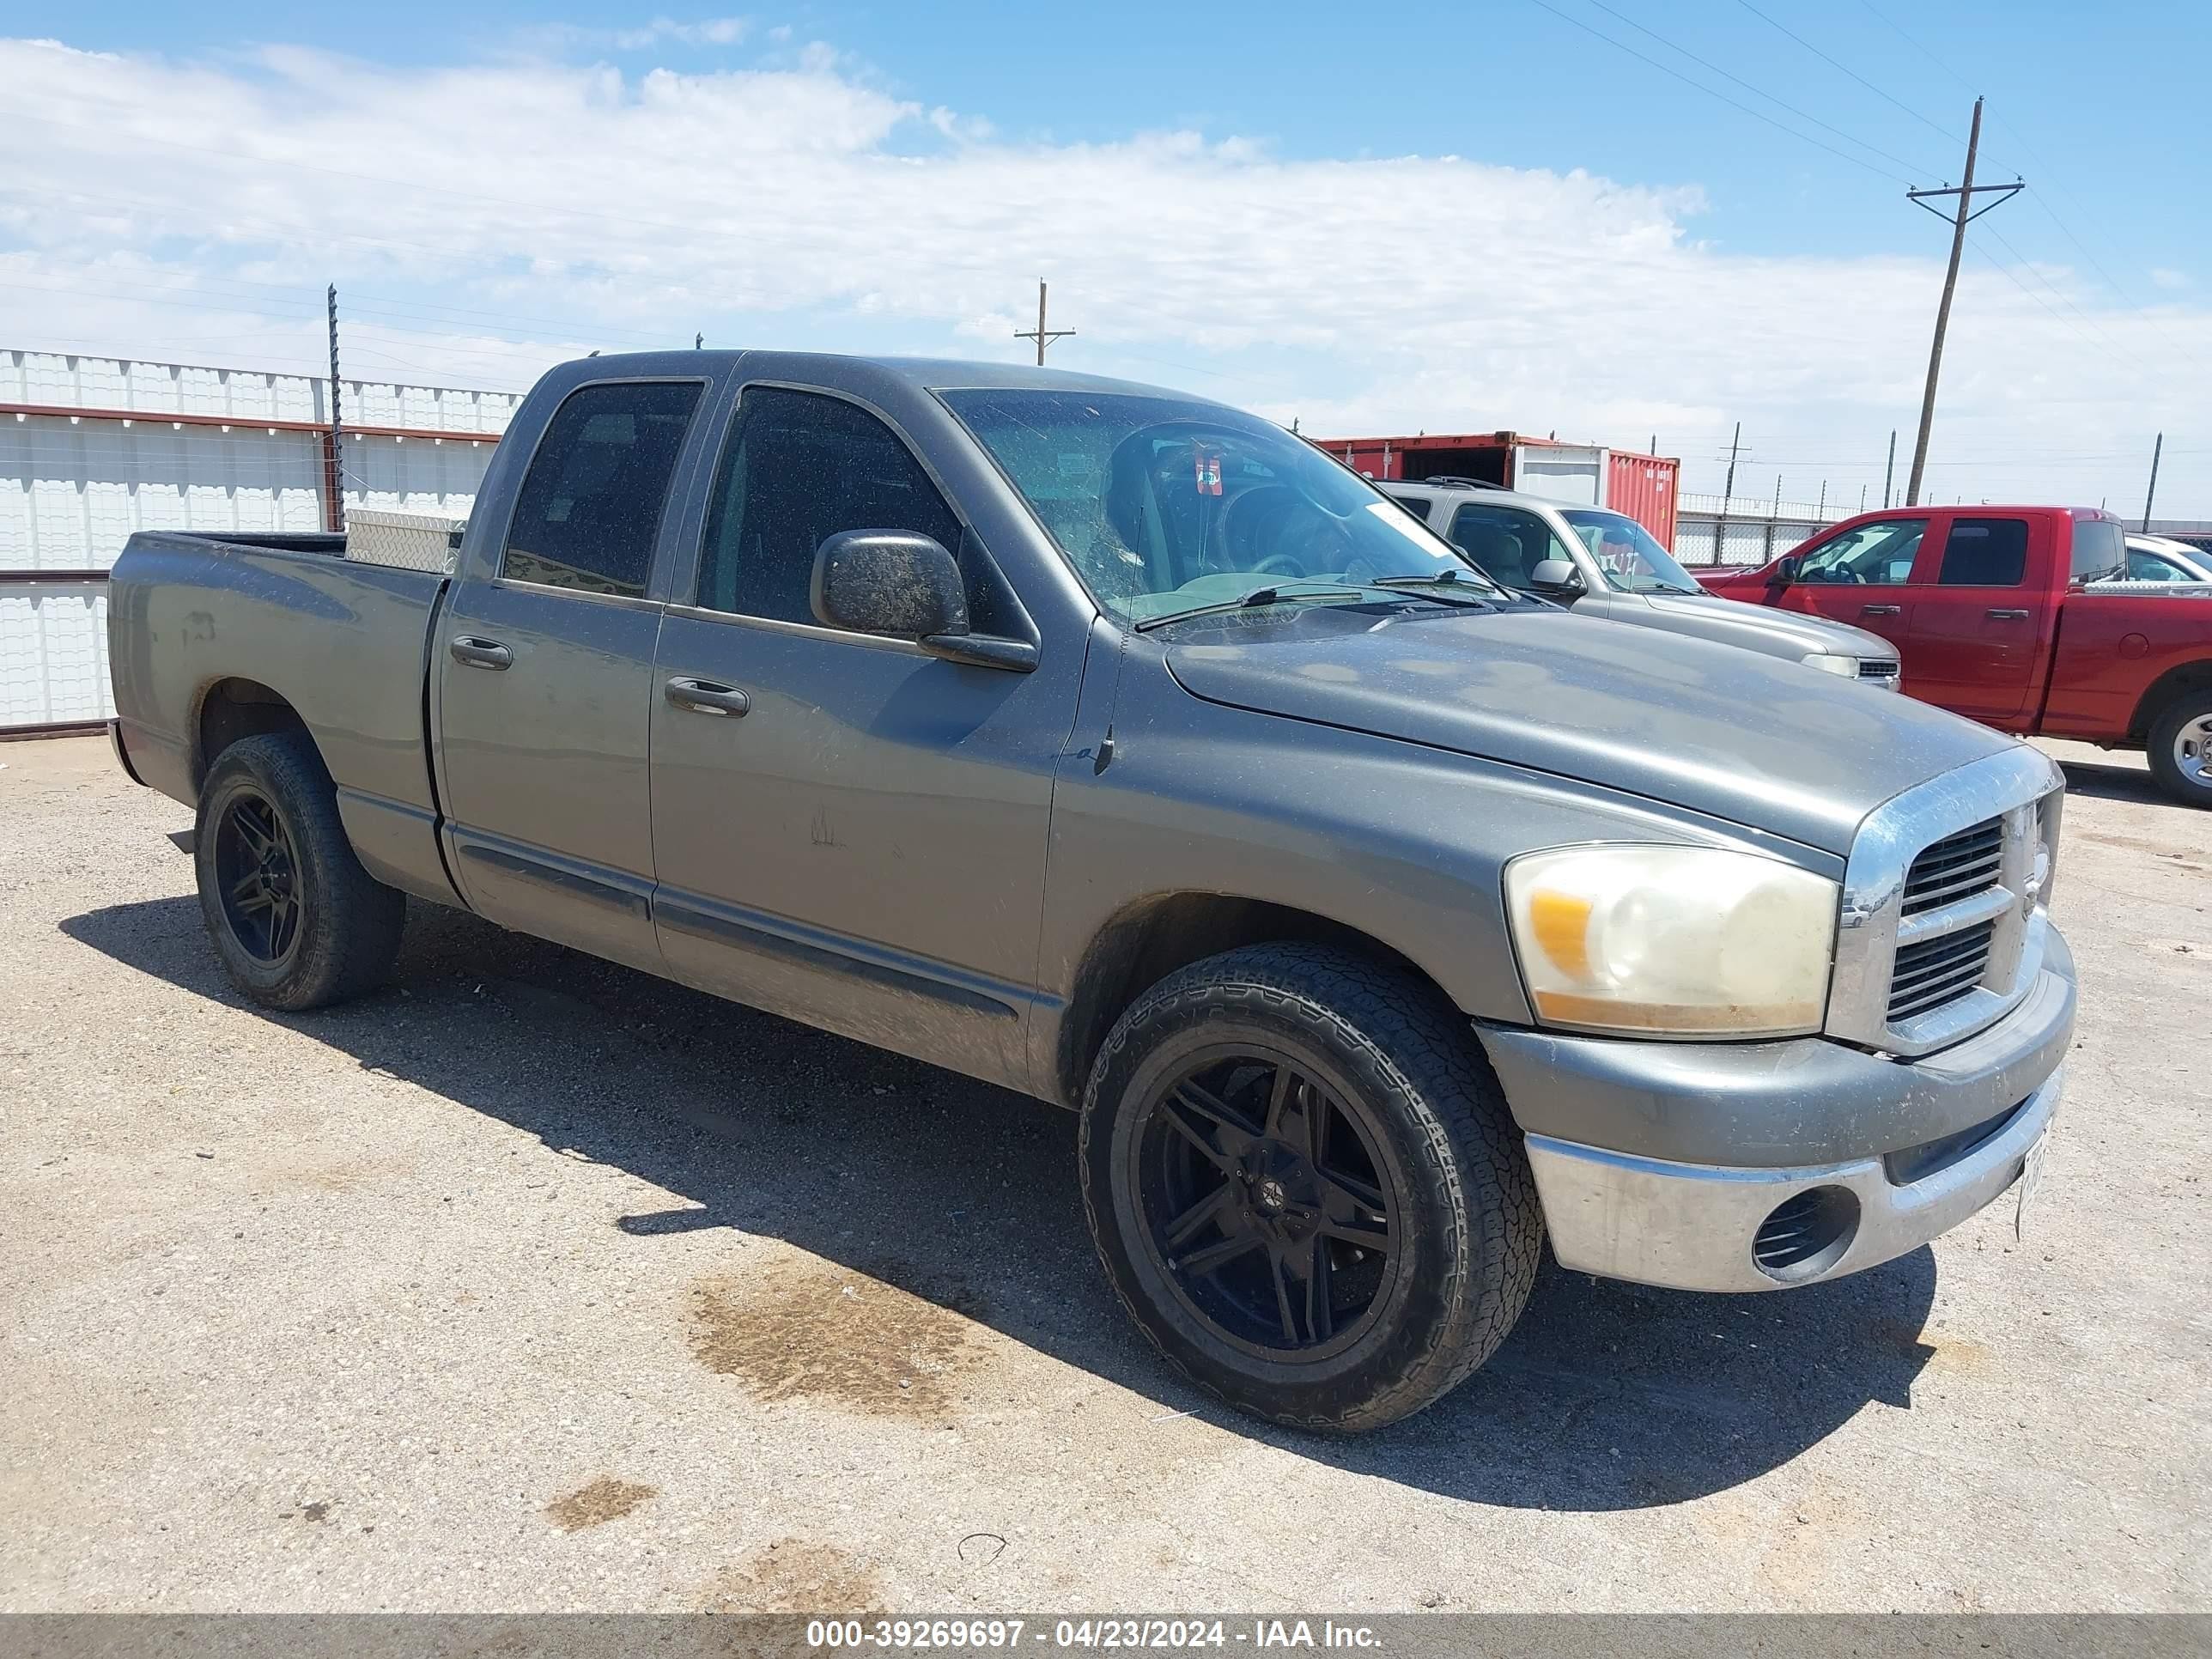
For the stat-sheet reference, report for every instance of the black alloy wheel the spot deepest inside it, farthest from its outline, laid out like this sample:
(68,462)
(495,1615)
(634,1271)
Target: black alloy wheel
(258,876)
(1263,1204)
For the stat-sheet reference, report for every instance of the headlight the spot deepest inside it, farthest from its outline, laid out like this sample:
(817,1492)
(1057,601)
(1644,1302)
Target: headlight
(1681,940)
(1847,666)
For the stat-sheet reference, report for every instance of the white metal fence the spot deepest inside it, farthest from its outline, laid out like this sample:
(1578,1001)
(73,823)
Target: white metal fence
(94,448)
(1740,530)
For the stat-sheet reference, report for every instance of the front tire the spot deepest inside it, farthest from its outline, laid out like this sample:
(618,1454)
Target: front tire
(1305,1186)
(2181,748)
(296,921)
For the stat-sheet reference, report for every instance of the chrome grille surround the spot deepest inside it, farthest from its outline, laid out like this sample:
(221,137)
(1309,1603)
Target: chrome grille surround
(2022,788)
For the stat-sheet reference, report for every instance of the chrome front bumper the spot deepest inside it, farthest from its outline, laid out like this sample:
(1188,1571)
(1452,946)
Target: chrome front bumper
(1693,1226)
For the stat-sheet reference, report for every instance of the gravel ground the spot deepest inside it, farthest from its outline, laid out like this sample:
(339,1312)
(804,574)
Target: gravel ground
(532,1283)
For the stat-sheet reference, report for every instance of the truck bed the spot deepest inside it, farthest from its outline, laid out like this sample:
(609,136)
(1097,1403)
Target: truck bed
(201,626)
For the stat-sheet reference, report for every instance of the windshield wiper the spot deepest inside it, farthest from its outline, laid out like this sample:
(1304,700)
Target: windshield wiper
(1447,578)
(1273,593)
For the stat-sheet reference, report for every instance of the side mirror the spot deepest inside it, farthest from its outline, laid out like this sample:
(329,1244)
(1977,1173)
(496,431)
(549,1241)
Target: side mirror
(1555,576)
(887,581)
(1785,572)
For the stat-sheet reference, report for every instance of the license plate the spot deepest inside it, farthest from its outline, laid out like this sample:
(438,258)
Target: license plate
(2030,1177)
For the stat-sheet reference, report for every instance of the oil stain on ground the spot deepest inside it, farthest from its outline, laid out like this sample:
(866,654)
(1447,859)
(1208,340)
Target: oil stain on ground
(795,1575)
(605,1499)
(808,1329)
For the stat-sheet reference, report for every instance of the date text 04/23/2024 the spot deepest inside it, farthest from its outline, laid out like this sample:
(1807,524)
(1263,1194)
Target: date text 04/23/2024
(831,1635)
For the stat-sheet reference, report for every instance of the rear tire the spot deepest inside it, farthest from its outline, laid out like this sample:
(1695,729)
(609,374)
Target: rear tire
(1305,1186)
(2181,748)
(296,921)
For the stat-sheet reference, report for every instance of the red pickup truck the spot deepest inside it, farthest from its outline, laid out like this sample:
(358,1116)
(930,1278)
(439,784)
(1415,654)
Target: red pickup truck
(1993,617)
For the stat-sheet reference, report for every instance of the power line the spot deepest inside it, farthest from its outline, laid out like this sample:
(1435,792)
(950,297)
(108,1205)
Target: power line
(1802,115)
(1847,70)
(1756,115)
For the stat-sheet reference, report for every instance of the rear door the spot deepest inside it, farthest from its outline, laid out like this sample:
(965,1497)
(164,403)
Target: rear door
(543,675)
(1864,576)
(1978,614)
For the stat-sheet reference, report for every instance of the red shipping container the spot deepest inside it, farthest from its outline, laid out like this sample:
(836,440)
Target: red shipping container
(1642,486)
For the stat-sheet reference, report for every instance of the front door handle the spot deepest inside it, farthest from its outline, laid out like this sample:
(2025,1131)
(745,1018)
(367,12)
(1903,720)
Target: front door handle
(1882,611)
(2004,614)
(706,697)
(481,653)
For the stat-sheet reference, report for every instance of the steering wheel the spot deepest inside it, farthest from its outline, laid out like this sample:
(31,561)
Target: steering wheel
(1278,564)
(1244,520)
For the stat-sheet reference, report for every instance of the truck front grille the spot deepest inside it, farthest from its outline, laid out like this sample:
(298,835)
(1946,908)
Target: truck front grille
(1956,866)
(1941,928)
(1878,668)
(1934,971)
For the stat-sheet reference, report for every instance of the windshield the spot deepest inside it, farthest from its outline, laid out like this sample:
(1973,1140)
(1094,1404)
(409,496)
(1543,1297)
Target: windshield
(1164,506)
(1628,554)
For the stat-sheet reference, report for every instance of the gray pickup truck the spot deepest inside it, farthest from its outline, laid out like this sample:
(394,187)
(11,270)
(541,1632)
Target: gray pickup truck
(1118,747)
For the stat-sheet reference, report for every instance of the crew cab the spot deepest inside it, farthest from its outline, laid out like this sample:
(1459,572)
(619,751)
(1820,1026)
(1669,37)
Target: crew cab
(1602,563)
(2007,614)
(1118,747)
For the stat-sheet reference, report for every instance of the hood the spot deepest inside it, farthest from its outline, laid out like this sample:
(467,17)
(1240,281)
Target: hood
(1752,740)
(1762,628)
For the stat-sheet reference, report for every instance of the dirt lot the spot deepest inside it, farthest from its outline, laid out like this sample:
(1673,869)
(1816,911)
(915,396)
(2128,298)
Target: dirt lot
(532,1283)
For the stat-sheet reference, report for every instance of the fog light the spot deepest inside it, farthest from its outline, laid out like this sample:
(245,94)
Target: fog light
(1807,1234)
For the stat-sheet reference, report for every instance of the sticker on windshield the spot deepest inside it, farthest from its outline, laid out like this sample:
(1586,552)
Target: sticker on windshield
(1209,470)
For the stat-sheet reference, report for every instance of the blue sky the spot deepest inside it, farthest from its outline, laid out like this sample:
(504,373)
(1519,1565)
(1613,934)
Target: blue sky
(1791,292)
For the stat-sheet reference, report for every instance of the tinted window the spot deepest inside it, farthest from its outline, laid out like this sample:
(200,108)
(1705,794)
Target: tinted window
(799,468)
(1984,553)
(2100,549)
(1416,505)
(1504,541)
(591,503)
(1879,555)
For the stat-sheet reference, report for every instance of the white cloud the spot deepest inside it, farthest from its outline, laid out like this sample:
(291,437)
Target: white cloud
(706,32)
(808,205)
(2164,278)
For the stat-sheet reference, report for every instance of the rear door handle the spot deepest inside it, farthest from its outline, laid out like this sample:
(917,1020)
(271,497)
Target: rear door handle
(481,653)
(1882,611)
(2001,614)
(706,697)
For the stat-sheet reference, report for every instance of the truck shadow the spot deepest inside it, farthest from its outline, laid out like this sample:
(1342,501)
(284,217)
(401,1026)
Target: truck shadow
(2114,781)
(1606,1397)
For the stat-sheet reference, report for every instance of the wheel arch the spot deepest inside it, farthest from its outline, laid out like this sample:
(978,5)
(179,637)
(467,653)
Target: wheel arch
(230,709)
(2177,681)
(1151,937)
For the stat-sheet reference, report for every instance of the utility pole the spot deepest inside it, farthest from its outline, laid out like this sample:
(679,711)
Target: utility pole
(1043,336)
(333,462)
(1728,495)
(1889,472)
(1965,214)
(2151,494)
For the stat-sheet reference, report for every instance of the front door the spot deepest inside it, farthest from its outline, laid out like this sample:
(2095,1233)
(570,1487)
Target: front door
(1977,614)
(1863,577)
(846,829)
(544,678)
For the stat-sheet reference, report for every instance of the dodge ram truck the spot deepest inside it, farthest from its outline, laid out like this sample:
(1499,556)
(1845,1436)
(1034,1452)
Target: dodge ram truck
(2005,615)
(1119,747)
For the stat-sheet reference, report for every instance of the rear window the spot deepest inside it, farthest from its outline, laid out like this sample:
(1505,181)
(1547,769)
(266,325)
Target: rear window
(2100,549)
(589,509)
(1984,553)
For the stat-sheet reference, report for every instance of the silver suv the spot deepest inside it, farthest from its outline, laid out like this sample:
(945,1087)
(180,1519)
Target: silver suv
(1603,563)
